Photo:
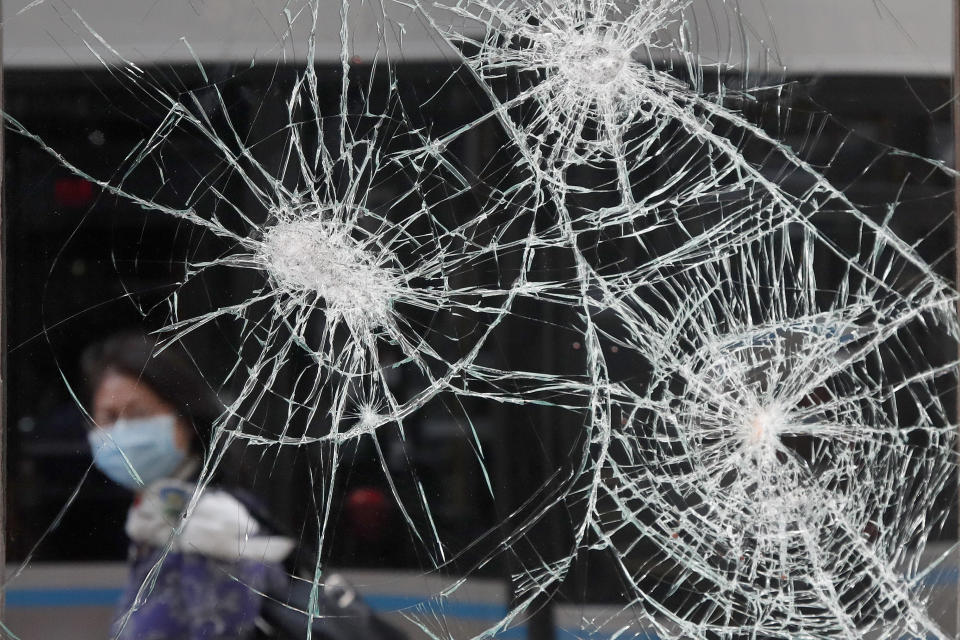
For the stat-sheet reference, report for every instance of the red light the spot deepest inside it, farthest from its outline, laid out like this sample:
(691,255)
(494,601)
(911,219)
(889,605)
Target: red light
(72,192)
(368,514)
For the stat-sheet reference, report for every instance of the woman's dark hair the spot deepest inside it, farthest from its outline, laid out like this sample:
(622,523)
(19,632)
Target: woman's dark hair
(168,373)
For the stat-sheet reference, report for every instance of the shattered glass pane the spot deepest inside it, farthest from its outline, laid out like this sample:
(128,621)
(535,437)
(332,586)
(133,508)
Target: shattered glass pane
(588,311)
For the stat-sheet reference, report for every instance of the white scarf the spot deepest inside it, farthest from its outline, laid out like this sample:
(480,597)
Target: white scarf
(220,526)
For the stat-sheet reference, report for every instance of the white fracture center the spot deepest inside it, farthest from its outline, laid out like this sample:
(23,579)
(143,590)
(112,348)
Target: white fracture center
(313,256)
(761,431)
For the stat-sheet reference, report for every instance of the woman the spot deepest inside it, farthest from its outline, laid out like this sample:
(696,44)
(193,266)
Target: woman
(194,577)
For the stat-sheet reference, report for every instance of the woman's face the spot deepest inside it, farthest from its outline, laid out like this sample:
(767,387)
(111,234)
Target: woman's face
(122,396)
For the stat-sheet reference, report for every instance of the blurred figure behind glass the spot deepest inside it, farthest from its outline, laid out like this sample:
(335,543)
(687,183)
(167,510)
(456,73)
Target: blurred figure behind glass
(153,418)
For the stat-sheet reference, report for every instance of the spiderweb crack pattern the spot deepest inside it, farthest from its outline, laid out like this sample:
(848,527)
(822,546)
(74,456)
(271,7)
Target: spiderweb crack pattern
(346,291)
(776,460)
(584,55)
(586,94)
(765,457)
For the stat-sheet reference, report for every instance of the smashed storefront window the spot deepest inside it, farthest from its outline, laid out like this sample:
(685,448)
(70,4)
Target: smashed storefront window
(586,315)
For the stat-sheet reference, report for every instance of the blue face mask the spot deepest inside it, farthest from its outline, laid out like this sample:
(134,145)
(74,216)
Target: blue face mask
(147,445)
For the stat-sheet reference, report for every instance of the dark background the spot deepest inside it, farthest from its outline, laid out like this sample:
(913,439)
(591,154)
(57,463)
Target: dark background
(82,264)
